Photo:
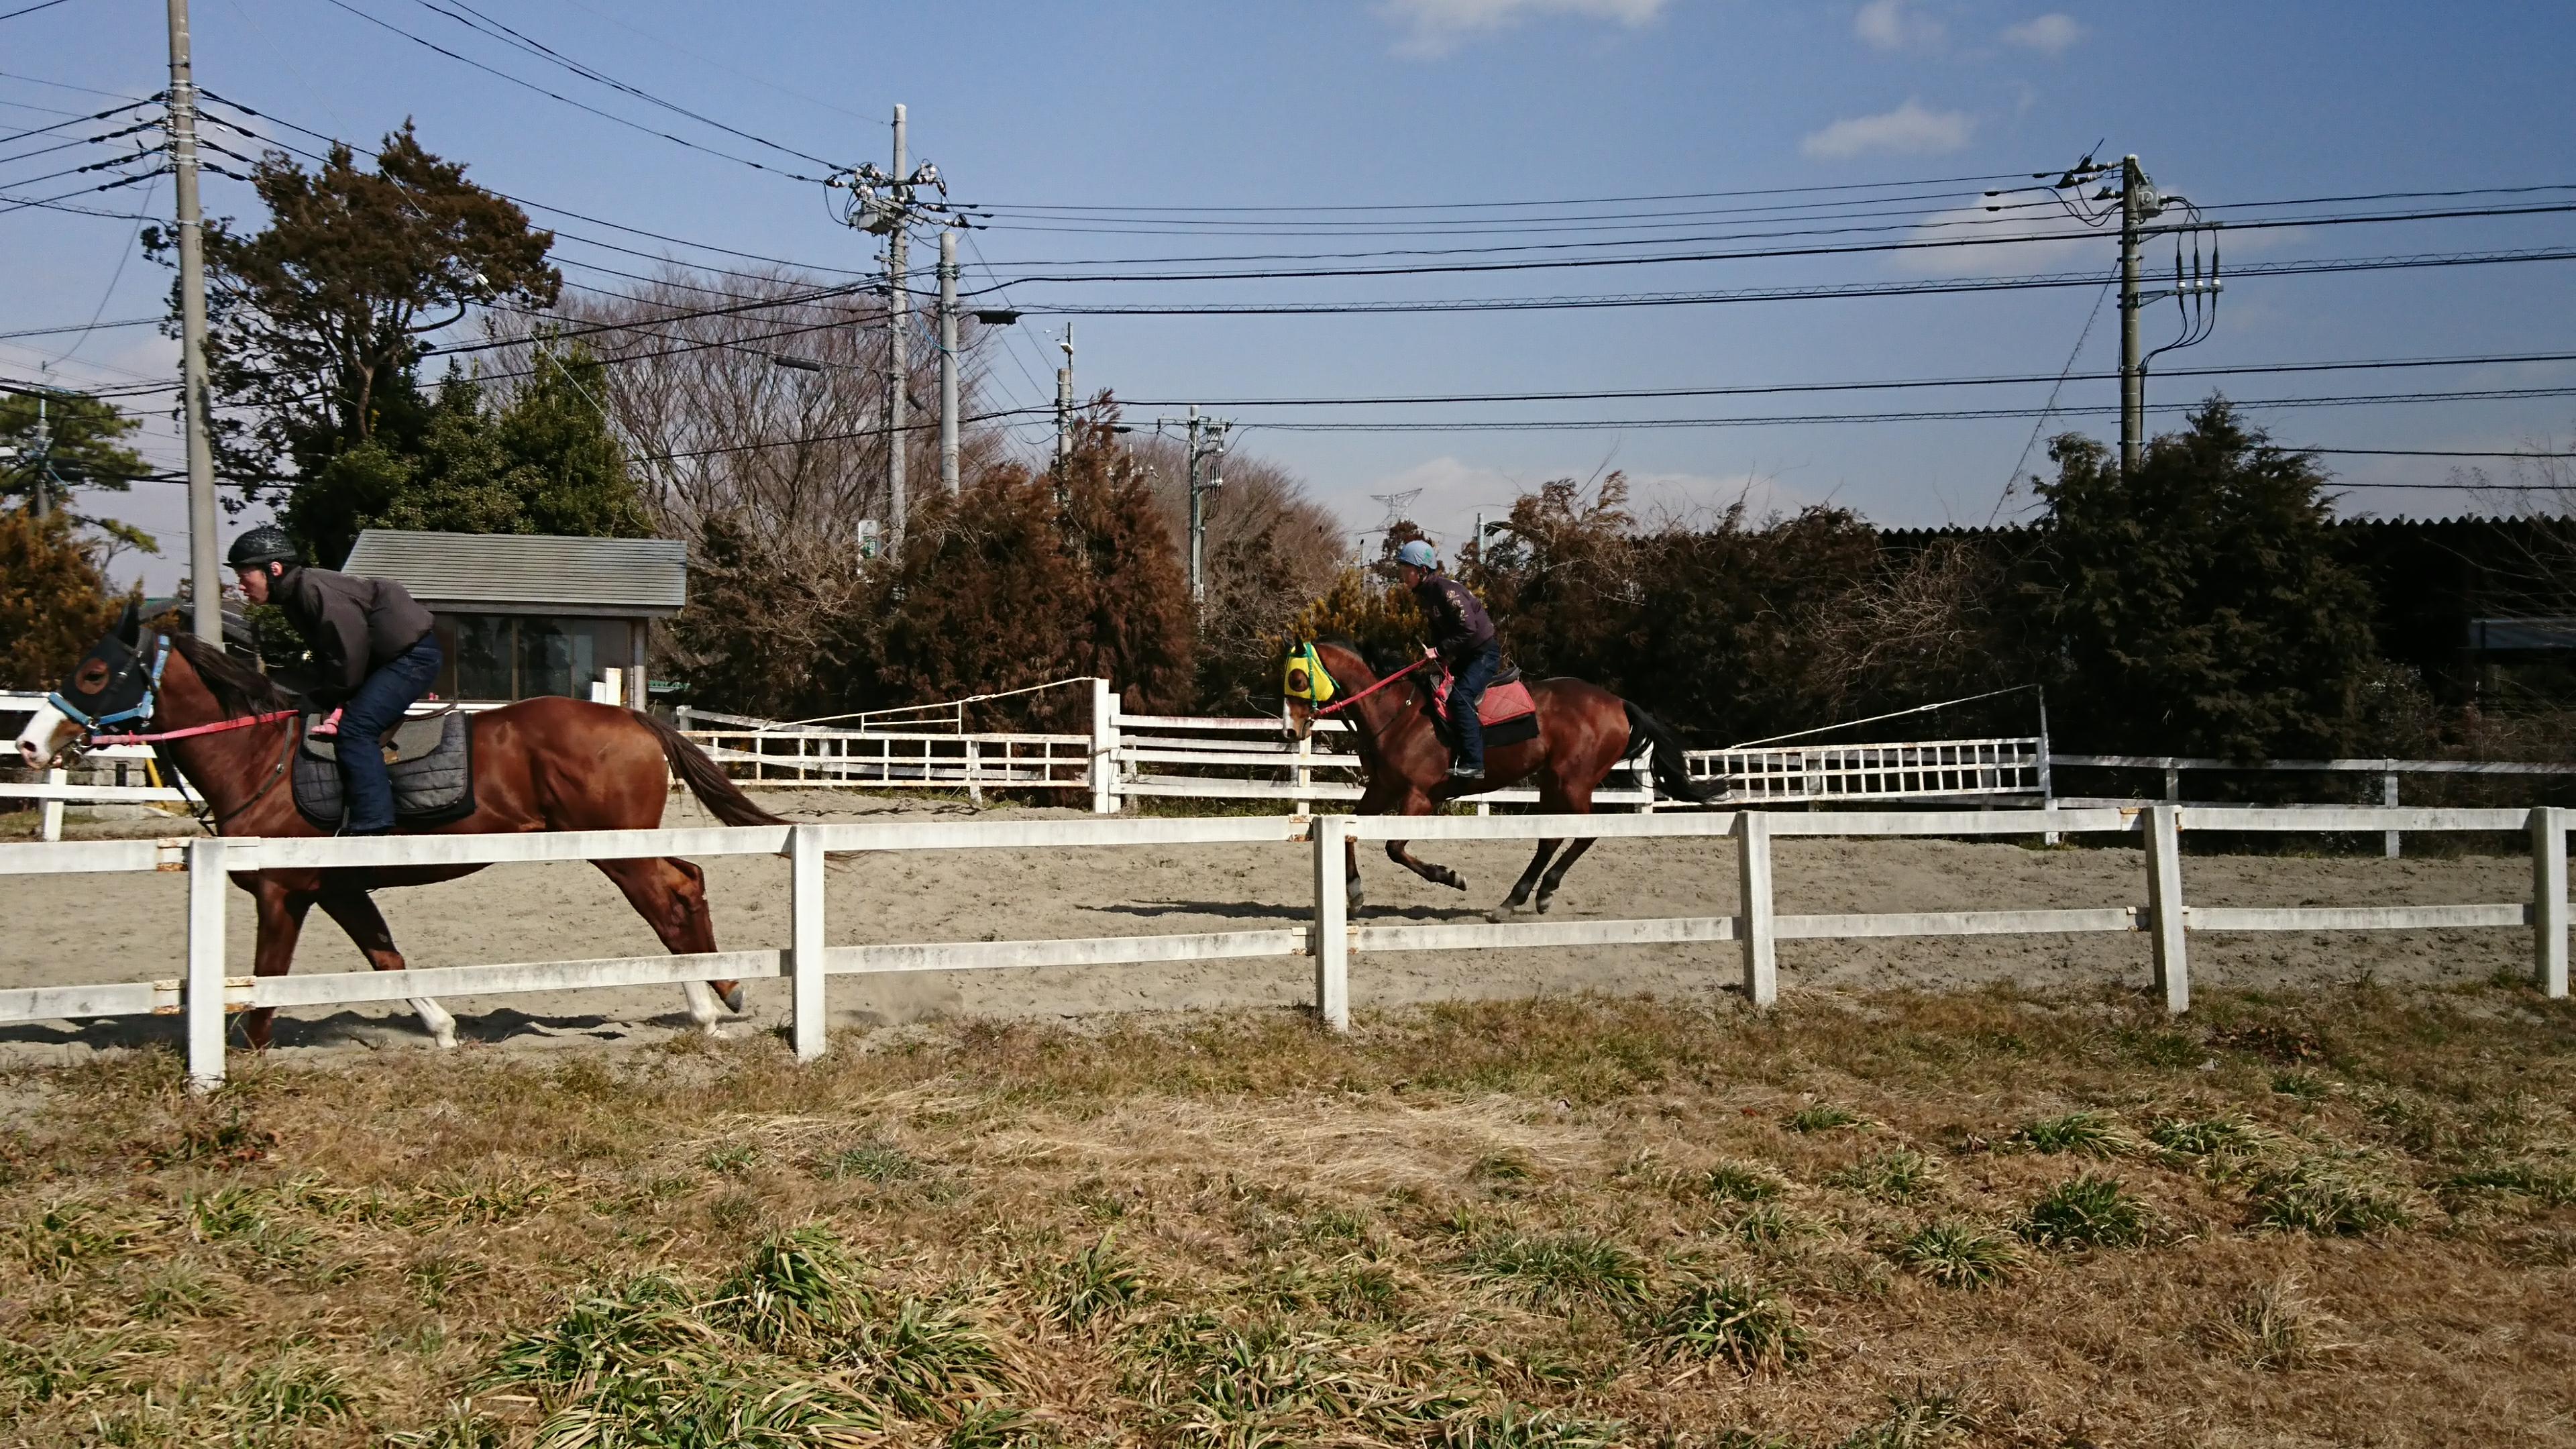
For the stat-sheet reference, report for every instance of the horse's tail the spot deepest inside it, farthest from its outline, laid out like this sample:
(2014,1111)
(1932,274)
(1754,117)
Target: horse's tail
(705,778)
(1672,766)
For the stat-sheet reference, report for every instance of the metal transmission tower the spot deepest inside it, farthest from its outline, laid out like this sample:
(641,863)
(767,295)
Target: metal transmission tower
(205,563)
(889,204)
(1206,444)
(2195,294)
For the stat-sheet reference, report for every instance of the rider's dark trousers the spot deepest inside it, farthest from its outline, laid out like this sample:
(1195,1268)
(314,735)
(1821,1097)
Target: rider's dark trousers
(1467,690)
(377,707)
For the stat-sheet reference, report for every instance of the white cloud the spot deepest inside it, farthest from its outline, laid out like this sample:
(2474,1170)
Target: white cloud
(1909,130)
(1436,27)
(2050,34)
(1893,25)
(1990,246)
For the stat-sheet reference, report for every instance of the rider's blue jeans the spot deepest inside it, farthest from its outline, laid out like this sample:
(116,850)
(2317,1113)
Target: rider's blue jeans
(1466,691)
(377,707)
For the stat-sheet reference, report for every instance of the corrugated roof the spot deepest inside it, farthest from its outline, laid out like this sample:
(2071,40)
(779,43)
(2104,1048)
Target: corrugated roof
(627,574)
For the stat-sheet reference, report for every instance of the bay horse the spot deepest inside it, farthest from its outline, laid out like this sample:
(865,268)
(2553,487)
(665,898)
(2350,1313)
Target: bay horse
(1584,731)
(540,764)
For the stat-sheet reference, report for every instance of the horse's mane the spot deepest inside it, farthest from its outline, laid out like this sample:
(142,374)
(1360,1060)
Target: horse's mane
(238,689)
(1382,660)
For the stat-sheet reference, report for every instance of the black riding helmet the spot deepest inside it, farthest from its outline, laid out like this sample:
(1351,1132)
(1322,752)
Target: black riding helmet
(260,547)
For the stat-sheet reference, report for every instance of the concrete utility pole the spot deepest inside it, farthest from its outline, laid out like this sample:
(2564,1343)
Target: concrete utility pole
(1206,443)
(898,354)
(1064,402)
(39,500)
(205,561)
(948,360)
(2135,206)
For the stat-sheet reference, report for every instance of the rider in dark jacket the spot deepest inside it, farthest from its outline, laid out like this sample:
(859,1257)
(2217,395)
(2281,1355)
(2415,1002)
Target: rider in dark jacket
(1463,639)
(375,649)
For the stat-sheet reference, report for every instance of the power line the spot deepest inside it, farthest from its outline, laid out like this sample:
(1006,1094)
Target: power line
(486,25)
(32,9)
(1785,293)
(1772,253)
(567,100)
(1919,415)
(83,327)
(108,114)
(1558,201)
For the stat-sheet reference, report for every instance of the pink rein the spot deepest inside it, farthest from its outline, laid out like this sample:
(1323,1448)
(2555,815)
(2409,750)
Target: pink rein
(218,727)
(1372,689)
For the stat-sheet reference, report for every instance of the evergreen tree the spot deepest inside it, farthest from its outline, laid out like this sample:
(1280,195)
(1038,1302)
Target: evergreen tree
(54,602)
(2200,605)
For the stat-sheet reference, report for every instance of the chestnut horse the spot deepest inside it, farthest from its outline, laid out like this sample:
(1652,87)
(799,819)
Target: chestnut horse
(1584,731)
(540,764)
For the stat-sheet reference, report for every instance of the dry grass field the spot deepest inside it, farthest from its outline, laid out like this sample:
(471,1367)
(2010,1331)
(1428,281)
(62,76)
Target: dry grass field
(2346,1217)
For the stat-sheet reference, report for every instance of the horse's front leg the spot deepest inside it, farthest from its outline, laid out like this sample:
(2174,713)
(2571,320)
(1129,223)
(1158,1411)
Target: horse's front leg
(281,920)
(1529,880)
(1351,892)
(356,912)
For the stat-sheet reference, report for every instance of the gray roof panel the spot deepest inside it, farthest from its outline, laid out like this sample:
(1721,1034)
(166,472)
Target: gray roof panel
(566,574)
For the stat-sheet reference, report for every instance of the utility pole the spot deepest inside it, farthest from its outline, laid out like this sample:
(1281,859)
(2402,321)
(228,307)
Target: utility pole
(886,204)
(38,502)
(2134,210)
(205,564)
(1064,403)
(948,359)
(898,353)
(1205,441)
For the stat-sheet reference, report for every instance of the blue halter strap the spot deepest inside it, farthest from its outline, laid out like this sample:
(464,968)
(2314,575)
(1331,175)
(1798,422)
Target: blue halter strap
(140,710)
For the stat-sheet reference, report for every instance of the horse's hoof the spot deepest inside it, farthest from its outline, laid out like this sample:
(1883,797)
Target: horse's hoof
(1543,903)
(1499,914)
(1454,881)
(446,1040)
(733,999)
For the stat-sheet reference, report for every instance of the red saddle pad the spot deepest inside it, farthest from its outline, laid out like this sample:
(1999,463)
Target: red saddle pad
(1505,702)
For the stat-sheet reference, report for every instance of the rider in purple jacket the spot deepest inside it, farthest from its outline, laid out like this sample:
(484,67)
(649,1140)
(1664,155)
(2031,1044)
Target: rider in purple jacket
(1463,639)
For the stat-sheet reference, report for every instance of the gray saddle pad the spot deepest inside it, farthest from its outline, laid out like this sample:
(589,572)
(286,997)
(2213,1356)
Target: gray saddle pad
(431,761)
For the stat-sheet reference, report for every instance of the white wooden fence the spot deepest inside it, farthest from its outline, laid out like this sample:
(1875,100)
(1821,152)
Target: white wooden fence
(209,990)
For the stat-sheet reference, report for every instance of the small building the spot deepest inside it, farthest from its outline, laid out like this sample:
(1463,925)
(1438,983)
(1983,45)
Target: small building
(521,615)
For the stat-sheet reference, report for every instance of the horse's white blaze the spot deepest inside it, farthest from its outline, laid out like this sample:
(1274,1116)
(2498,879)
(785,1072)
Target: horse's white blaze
(48,731)
(435,1020)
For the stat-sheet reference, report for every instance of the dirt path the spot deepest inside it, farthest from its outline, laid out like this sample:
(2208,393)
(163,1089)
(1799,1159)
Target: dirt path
(131,927)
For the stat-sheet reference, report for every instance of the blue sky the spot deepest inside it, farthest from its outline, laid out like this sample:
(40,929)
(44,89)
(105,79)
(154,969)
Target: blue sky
(1450,101)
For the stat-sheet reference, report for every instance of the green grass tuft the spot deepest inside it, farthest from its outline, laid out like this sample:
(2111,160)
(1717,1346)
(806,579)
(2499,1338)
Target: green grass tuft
(2313,1195)
(2079,1134)
(871,1162)
(1958,1255)
(1898,1175)
(1739,1182)
(798,1288)
(1558,1270)
(1823,1117)
(1729,1319)
(2227,1134)
(1097,1280)
(2088,1211)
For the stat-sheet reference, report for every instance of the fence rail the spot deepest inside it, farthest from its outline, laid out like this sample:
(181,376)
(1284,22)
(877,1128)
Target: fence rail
(207,990)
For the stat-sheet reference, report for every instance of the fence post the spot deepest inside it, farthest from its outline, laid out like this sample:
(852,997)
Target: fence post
(204,1000)
(2549,900)
(806,1020)
(52,814)
(2388,797)
(1753,874)
(1104,749)
(1305,770)
(2164,905)
(974,769)
(1643,771)
(1332,917)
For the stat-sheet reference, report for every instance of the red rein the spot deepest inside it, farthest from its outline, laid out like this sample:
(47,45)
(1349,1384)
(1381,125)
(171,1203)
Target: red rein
(1374,688)
(218,727)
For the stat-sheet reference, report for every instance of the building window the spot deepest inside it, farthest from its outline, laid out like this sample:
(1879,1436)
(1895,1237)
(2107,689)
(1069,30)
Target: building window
(507,657)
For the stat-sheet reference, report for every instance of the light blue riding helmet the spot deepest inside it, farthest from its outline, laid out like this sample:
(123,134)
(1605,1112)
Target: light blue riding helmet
(1418,553)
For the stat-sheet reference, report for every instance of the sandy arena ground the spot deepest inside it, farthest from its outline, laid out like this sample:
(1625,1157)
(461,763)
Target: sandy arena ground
(131,927)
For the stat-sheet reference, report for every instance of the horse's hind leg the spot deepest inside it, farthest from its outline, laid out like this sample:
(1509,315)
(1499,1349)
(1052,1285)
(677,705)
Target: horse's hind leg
(671,895)
(1556,874)
(1354,896)
(1436,874)
(356,912)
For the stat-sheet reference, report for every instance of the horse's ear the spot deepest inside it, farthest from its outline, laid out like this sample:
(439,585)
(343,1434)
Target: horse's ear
(129,625)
